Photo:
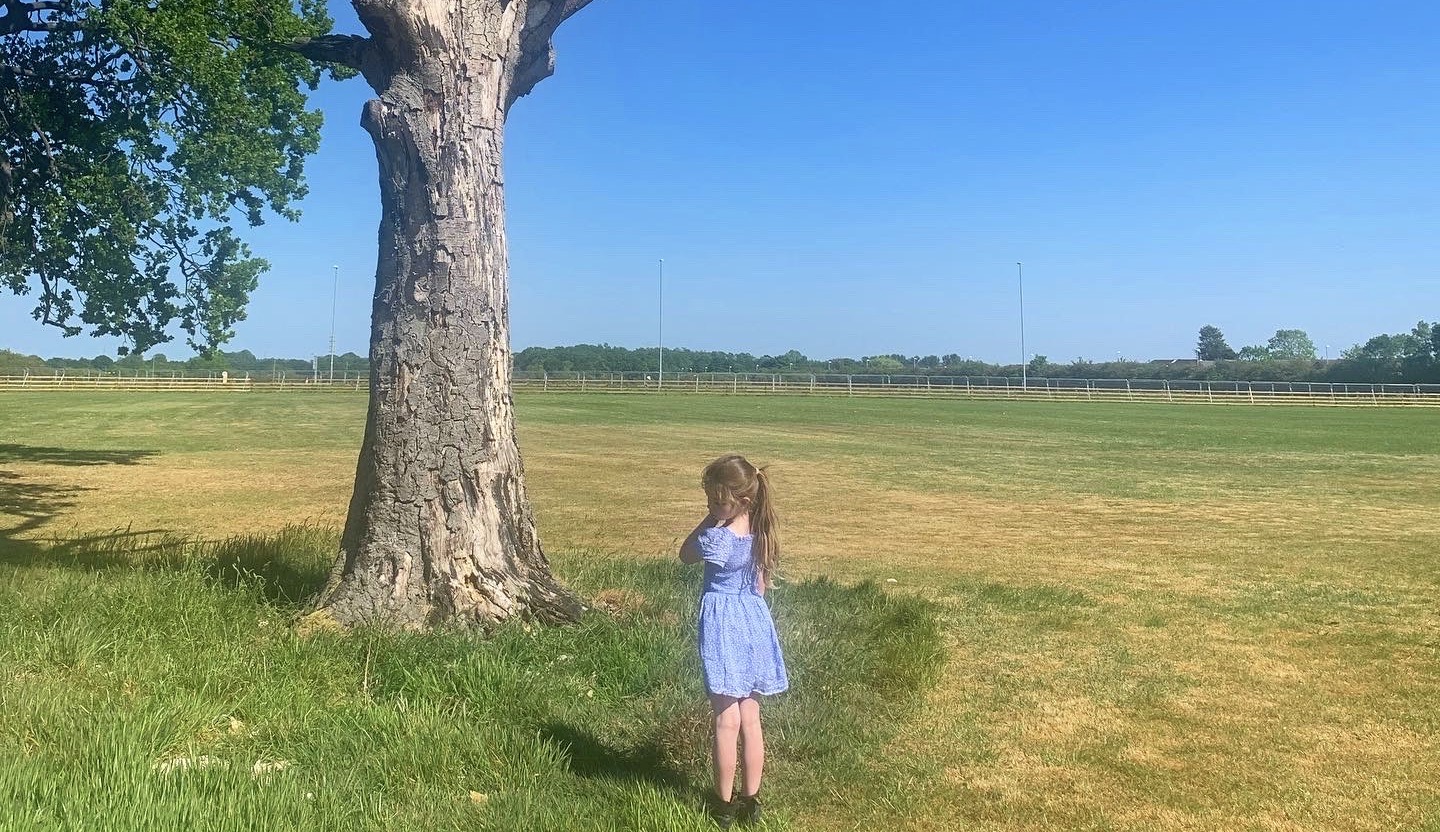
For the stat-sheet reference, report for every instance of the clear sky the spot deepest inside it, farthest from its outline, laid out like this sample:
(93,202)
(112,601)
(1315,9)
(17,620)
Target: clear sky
(849,178)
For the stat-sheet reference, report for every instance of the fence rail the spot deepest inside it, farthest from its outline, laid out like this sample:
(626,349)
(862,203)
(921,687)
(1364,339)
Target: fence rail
(976,387)
(38,382)
(917,386)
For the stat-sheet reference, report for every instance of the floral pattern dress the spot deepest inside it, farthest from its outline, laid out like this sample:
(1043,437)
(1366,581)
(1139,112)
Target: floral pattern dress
(739,649)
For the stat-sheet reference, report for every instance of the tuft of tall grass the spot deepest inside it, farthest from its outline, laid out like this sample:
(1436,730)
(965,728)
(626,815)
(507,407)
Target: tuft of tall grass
(156,683)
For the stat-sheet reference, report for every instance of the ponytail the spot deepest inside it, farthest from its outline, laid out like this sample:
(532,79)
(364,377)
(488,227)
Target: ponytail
(732,477)
(764,524)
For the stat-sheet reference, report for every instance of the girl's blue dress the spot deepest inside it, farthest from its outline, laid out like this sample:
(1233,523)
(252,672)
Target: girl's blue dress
(738,646)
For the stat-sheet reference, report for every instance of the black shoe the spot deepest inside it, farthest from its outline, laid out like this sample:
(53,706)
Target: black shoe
(747,809)
(723,813)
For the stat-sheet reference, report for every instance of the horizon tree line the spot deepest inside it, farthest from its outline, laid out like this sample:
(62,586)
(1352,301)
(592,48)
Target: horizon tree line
(1288,355)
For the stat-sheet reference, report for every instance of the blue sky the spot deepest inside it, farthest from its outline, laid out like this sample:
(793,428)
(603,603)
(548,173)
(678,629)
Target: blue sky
(821,176)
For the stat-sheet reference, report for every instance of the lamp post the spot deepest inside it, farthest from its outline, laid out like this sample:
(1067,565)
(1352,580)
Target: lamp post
(660,379)
(1024,369)
(334,291)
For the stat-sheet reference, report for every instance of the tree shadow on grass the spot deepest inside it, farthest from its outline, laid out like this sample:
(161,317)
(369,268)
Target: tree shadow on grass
(287,567)
(591,758)
(70,457)
(27,505)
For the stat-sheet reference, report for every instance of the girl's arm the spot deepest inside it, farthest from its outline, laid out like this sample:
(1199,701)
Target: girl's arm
(690,549)
(762,581)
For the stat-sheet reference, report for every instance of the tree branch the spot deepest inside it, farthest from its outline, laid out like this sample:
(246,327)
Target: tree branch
(571,7)
(537,53)
(535,66)
(8,76)
(346,50)
(18,16)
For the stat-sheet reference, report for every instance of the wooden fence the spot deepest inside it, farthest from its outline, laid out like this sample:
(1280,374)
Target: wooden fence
(35,382)
(991,387)
(969,387)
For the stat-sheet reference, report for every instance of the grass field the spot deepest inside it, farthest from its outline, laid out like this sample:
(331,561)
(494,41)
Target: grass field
(1153,617)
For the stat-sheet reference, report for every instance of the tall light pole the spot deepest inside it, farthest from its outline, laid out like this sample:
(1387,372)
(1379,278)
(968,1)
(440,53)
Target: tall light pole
(334,291)
(1024,369)
(660,382)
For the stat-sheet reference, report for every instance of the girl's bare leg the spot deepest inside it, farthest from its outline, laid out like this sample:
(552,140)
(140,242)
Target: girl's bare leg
(753,741)
(727,732)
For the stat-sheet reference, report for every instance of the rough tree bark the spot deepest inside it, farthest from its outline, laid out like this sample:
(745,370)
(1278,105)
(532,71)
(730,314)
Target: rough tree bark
(440,532)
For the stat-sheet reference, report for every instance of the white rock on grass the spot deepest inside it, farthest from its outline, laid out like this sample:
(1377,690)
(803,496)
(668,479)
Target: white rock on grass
(268,766)
(187,763)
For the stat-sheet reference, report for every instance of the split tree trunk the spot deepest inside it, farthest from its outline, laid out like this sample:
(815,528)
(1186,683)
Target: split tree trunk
(439,531)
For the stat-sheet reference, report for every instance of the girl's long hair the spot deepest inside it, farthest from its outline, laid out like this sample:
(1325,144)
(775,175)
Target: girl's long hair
(732,477)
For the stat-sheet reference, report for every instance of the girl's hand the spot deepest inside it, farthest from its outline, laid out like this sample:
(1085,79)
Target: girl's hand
(690,549)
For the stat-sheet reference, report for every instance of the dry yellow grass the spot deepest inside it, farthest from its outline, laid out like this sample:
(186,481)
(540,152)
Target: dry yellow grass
(213,494)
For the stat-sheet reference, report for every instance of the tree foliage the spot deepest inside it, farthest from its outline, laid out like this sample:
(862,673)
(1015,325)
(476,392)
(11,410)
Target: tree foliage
(1407,356)
(1378,359)
(131,134)
(1212,346)
(1290,344)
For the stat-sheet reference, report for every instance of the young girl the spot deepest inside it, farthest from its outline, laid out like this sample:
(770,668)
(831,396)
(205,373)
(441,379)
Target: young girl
(740,547)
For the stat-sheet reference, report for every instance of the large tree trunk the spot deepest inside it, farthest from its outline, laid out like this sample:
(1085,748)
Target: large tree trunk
(440,531)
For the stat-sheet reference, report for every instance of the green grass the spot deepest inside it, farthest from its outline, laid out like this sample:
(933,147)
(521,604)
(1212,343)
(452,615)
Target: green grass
(1135,617)
(118,657)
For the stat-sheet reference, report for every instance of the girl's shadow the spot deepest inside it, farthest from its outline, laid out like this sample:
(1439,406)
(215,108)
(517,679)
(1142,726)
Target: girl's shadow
(591,758)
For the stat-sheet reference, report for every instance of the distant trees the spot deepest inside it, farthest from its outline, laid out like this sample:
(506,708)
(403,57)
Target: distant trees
(236,363)
(884,364)
(1418,356)
(1212,346)
(1288,355)
(1378,359)
(1291,344)
(1408,356)
(1284,345)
